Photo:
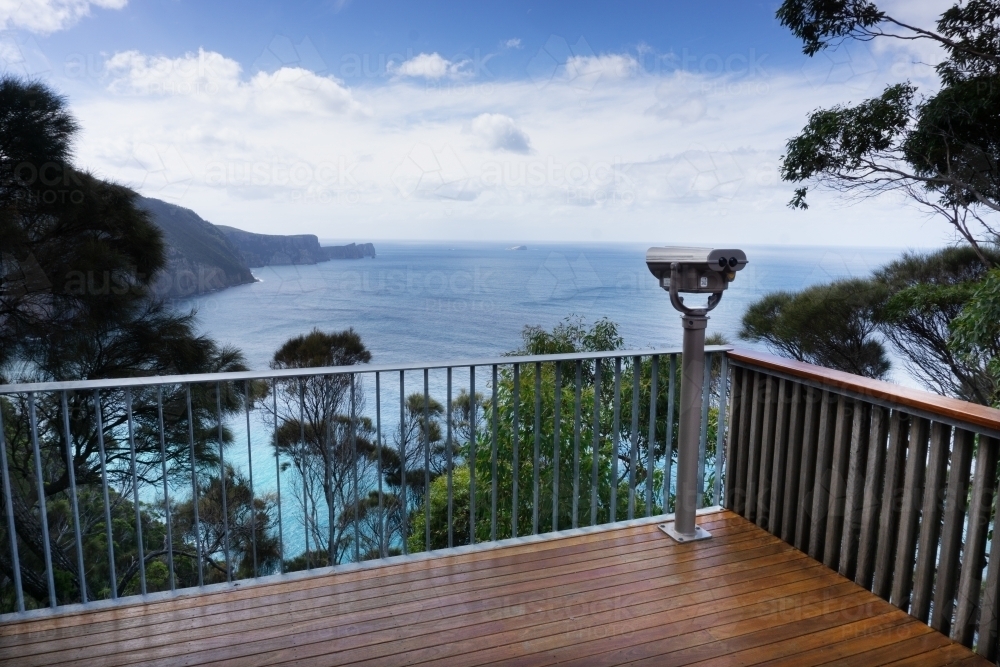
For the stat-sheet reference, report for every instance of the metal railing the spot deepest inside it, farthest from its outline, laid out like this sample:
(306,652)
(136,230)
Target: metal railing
(115,488)
(892,487)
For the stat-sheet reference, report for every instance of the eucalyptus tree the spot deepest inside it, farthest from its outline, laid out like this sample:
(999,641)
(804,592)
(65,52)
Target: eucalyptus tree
(323,434)
(940,148)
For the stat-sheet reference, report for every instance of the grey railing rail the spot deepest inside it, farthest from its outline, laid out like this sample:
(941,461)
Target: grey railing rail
(893,487)
(121,487)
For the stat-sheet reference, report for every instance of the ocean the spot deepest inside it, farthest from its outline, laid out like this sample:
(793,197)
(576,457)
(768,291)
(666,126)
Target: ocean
(433,302)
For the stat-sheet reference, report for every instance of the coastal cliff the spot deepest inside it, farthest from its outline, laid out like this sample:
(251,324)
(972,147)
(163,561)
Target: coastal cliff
(202,257)
(274,249)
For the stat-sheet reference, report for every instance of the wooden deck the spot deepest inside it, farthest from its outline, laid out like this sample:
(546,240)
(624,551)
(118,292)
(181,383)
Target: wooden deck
(617,596)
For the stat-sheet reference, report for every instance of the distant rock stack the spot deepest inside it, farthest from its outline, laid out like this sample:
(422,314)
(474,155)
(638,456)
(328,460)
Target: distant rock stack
(349,251)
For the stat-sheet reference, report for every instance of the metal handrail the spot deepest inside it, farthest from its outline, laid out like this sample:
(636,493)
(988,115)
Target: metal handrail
(197,378)
(129,401)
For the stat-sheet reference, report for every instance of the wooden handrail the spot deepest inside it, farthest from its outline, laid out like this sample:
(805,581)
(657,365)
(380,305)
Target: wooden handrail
(906,397)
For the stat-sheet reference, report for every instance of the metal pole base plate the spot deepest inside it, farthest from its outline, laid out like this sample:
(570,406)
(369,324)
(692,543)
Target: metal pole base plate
(699,533)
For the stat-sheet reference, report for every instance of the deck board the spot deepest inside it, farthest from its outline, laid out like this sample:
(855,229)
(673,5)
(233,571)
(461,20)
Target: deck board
(612,597)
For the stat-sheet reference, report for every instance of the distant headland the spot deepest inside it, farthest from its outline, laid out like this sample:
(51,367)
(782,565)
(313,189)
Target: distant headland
(202,257)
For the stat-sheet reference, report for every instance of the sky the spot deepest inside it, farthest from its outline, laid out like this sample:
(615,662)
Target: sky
(660,122)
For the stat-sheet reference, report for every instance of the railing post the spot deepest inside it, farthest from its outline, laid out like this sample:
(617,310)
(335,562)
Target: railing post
(692,376)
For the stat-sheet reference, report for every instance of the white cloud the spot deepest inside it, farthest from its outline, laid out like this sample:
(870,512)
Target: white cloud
(211,75)
(205,71)
(429,66)
(512,43)
(48,16)
(619,66)
(499,132)
(636,156)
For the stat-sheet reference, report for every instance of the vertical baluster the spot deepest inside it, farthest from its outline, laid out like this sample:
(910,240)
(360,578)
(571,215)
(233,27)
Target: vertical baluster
(9,506)
(780,456)
(790,501)
(403,511)
(633,452)
(493,458)
(757,409)
(448,461)
(42,509)
(194,487)
(99,424)
(615,438)
(427,461)
(891,495)
(955,506)
(980,508)
(930,521)
(166,489)
(706,385)
(871,509)
(378,463)
(732,449)
(473,417)
(807,468)
(766,451)
(277,476)
(595,455)
(986,644)
(909,521)
(742,438)
(222,480)
(515,465)
(576,441)
(651,436)
(821,485)
(354,470)
(327,472)
(720,428)
(838,483)
(135,490)
(555,445)
(253,511)
(74,504)
(302,445)
(668,446)
(854,490)
(535,500)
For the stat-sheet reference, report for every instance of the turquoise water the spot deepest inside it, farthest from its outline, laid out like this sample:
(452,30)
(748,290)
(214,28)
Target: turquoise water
(432,302)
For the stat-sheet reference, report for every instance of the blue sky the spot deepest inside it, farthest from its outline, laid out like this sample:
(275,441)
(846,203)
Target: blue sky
(631,121)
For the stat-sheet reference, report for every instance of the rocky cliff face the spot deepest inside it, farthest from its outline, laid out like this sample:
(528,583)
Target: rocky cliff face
(200,258)
(350,251)
(274,249)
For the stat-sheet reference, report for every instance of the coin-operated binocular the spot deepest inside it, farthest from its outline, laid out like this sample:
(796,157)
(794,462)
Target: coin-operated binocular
(692,271)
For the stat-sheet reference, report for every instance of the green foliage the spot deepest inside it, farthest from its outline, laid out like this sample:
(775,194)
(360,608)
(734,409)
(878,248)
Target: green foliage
(562,456)
(831,325)
(317,349)
(976,331)
(439,513)
(933,309)
(845,138)
(820,23)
